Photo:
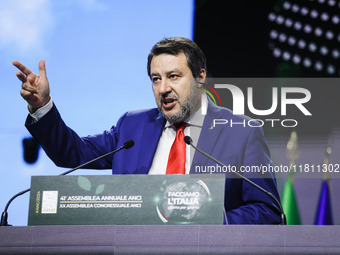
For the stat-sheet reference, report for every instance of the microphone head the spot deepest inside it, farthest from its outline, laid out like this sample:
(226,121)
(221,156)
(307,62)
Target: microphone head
(187,140)
(129,144)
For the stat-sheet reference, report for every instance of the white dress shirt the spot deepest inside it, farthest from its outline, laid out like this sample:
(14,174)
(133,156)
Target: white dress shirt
(160,160)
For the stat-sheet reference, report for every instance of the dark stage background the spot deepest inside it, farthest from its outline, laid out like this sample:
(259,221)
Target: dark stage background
(280,39)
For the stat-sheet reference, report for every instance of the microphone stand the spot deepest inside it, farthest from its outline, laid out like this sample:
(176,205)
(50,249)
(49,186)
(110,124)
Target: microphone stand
(4,215)
(188,140)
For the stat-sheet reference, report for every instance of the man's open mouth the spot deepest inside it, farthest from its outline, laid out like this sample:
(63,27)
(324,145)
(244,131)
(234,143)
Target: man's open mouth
(168,103)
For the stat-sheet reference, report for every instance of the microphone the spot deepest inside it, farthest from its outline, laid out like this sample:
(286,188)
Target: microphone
(188,140)
(126,145)
(4,216)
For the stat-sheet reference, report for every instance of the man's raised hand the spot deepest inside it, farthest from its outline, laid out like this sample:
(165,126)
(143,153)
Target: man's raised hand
(35,89)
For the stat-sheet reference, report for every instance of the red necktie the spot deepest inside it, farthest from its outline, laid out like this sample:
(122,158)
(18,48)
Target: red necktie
(176,161)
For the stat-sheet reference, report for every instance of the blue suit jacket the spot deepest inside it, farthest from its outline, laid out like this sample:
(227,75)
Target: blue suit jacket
(237,146)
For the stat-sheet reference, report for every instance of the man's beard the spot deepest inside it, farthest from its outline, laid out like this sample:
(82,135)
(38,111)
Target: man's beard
(187,107)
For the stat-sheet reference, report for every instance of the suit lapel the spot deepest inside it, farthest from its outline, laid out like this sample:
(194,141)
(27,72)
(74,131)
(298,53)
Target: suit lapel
(208,137)
(152,131)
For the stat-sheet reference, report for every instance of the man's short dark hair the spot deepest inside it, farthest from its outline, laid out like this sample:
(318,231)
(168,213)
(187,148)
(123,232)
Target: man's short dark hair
(174,46)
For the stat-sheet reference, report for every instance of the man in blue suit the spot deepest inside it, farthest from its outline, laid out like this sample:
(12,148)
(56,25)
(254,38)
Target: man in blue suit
(177,68)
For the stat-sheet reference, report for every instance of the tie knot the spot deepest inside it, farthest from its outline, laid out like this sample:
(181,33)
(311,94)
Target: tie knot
(180,126)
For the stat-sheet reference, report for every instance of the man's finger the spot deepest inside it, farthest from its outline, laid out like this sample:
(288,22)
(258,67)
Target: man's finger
(22,68)
(25,94)
(28,96)
(29,88)
(21,76)
(42,69)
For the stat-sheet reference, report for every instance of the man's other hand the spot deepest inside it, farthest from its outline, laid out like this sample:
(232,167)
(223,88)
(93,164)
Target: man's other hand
(35,89)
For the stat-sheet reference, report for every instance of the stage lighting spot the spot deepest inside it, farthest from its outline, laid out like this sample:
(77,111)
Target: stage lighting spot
(288,22)
(307,62)
(297,25)
(312,47)
(282,37)
(296,59)
(277,52)
(329,35)
(336,20)
(330,69)
(318,32)
(286,55)
(271,16)
(280,19)
(295,8)
(291,40)
(304,11)
(335,53)
(314,14)
(286,5)
(323,50)
(331,2)
(273,34)
(301,44)
(318,66)
(324,16)
(307,28)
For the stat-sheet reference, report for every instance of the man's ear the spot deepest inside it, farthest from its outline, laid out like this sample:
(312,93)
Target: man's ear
(202,76)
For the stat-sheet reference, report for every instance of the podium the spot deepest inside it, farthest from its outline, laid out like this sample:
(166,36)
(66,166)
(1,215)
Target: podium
(174,239)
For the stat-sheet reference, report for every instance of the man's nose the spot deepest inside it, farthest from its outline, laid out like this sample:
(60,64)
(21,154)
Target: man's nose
(164,87)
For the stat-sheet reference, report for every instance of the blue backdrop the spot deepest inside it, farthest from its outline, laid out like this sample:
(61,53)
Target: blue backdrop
(95,52)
